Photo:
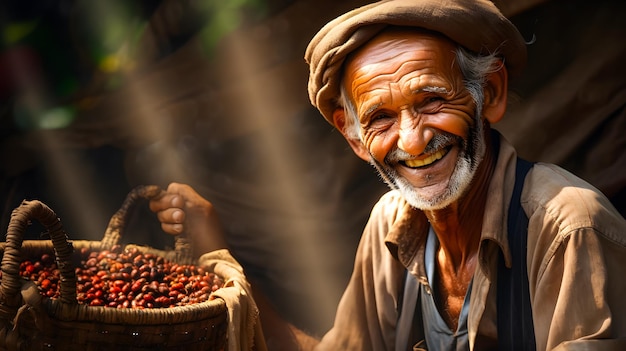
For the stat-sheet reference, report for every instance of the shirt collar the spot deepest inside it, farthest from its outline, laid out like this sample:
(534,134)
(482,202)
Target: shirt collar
(407,236)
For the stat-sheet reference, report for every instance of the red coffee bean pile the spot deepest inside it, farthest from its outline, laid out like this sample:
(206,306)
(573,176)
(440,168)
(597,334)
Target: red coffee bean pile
(126,279)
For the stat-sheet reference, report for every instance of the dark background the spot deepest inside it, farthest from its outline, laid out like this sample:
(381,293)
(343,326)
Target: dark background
(100,96)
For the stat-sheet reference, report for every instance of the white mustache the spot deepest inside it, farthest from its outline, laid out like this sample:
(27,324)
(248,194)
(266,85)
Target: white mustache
(438,142)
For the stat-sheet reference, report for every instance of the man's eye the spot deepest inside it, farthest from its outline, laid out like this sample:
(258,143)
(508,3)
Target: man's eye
(432,104)
(434,99)
(380,117)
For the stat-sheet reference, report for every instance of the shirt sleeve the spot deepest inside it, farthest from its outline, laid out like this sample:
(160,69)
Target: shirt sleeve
(576,268)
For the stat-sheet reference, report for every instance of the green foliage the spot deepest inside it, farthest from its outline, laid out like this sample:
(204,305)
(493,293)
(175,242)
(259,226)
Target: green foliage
(223,17)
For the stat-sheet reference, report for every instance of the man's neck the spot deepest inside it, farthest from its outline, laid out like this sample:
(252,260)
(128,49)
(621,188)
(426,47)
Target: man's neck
(458,226)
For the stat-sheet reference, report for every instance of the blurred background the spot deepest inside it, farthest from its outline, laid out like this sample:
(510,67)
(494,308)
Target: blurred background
(99,96)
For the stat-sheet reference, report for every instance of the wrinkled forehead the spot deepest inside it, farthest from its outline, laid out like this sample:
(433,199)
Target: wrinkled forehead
(385,52)
(400,39)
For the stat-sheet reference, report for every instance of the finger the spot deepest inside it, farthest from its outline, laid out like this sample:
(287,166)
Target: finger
(171,216)
(177,188)
(184,190)
(162,202)
(166,201)
(174,229)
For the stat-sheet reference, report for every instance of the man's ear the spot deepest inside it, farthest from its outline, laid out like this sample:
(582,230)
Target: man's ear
(339,120)
(496,91)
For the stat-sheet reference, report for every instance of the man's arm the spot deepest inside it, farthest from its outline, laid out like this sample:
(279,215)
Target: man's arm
(182,210)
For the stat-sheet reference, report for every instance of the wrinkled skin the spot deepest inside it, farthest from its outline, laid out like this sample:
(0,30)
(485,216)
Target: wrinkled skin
(421,129)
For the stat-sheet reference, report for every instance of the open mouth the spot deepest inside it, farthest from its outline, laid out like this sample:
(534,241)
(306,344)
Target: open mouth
(430,159)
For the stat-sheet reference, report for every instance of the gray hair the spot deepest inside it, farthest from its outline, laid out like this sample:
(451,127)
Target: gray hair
(475,69)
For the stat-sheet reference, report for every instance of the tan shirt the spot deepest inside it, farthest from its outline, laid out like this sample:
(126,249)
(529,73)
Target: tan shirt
(576,263)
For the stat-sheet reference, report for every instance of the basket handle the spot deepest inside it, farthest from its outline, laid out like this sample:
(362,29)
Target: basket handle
(11,282)
(117,224)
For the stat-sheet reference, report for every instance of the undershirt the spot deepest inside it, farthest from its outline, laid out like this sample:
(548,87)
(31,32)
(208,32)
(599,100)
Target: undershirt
(439,337)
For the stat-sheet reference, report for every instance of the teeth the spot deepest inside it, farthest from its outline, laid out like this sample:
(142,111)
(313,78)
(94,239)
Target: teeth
(425,162)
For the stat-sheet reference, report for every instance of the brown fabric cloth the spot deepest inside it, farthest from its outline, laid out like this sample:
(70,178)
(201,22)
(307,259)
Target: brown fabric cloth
(244,329)
(477,25)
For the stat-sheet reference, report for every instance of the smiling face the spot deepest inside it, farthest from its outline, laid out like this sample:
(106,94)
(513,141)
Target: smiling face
(418,122)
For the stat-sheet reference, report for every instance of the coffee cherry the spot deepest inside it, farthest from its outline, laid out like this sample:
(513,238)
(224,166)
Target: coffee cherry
(128,278)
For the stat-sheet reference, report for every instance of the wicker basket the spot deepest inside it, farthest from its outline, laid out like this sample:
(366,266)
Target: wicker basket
(29,321)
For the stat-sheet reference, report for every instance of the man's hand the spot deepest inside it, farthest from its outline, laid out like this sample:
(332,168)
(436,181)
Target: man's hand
(181,210)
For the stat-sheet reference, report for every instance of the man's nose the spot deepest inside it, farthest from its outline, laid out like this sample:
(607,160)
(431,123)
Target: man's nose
(412,136)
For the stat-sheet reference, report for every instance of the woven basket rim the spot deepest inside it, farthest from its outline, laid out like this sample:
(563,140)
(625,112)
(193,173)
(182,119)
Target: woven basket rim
(134,316)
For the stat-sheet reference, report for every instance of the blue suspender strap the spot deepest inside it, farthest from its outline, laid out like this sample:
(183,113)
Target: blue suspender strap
(515,320)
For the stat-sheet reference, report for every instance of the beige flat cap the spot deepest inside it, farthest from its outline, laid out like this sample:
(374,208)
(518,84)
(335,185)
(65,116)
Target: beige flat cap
(477,25)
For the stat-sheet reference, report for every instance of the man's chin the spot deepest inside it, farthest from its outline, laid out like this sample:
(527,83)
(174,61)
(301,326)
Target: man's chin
(441,195)
(427,201)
